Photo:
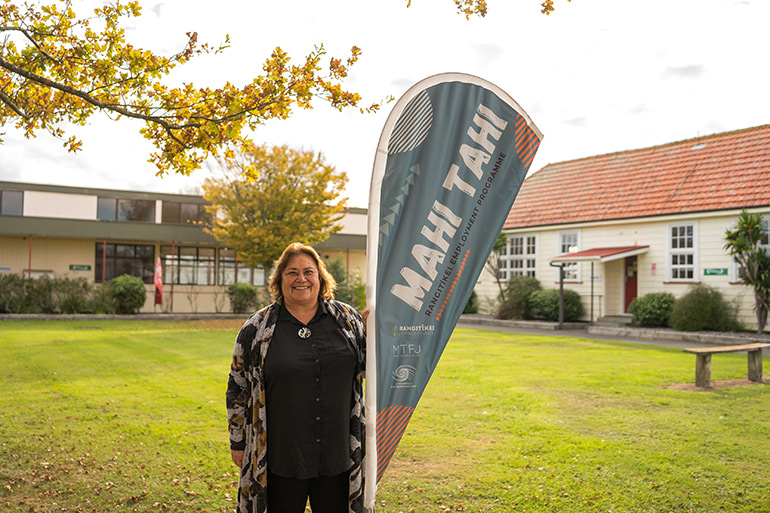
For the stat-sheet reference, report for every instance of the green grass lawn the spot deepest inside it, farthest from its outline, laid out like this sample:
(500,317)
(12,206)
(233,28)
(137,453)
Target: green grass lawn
(129,416)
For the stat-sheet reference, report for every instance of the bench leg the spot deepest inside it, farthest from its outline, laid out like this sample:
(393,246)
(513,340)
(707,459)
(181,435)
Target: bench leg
(702,370)
(755,366)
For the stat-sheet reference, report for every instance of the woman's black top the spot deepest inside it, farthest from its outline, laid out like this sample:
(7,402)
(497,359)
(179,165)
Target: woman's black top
(309,387)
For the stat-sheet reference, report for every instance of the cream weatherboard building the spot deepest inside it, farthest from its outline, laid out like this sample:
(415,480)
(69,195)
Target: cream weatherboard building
(648,220)
(101,233)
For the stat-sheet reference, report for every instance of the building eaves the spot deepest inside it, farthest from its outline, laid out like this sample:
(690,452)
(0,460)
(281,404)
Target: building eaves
(111,193)
(112,230)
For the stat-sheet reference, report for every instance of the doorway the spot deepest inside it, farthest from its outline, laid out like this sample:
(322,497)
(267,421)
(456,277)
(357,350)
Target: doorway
(630,281)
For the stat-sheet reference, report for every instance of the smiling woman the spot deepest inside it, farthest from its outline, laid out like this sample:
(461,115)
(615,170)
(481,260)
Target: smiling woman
(299,281)
(297,372)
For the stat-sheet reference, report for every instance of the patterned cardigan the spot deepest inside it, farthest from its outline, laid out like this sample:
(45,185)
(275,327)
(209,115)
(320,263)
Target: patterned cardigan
(247,414)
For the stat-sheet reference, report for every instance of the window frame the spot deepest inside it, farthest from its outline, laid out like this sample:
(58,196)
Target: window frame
(3,201)
(521,263)
(572,270)
(118,207)
(117,252)
(178,217)
(678,251)
(227,263)
(188,265)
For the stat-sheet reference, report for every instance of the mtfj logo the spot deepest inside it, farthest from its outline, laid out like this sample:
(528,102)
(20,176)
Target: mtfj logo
(417,329)
(407,350)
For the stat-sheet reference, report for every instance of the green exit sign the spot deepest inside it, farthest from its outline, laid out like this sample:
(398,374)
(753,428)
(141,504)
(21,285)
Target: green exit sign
(76,267)
(715,272)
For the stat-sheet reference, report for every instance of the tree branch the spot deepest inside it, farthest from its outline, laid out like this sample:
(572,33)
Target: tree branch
(31,40)
(159,120)
(10,103)
(80,94)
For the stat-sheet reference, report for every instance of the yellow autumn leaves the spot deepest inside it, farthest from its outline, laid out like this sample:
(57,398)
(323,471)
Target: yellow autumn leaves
(56,69)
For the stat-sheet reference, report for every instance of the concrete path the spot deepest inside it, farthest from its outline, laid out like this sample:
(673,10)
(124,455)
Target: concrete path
(660,337)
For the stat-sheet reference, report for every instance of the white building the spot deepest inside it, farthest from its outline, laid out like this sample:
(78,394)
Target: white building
(648,220)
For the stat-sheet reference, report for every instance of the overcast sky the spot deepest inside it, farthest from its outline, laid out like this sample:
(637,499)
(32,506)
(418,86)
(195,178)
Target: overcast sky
(596,76)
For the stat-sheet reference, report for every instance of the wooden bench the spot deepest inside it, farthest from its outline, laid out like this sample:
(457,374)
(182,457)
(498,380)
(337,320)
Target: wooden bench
(703,361)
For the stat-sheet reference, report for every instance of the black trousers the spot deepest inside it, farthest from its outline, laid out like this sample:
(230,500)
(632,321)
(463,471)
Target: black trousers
(328,494)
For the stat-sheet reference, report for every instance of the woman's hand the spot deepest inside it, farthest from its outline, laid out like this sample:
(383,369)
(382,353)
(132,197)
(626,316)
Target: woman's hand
(364,317)
(237,457)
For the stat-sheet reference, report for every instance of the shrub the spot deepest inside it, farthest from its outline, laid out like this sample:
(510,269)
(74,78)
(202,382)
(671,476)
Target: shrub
(472,306)
(652,310)
(19,294)
(101,301)
(127,294)
(40,295)
(350,289)
(244,297)
(357,289)
(353,292)
(72,296)
(517,292)
(336,267)
(26,295)
(703,308)
(545,304)
(12,293)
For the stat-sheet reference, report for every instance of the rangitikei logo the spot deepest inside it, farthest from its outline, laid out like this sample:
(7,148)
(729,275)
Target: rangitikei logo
(414,329)
(404,374)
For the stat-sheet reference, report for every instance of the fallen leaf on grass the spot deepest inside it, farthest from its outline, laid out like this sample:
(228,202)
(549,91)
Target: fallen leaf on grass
(135,498)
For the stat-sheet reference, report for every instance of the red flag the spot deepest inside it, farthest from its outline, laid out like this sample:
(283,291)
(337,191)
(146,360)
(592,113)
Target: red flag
(158,283)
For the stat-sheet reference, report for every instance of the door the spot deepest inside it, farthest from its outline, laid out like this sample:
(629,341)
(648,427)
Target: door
(630,281)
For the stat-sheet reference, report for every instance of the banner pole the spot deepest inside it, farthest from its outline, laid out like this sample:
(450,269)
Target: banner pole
(370,391)
(370,400)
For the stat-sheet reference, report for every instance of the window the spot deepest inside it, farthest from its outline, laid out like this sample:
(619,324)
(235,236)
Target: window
(136,210)
(170,212)
(114,260)
(107,209)
(184,213)
(519,257)
(11,203)
(125,209)
(228,263)
(568,241)
(681,252)
(187,265)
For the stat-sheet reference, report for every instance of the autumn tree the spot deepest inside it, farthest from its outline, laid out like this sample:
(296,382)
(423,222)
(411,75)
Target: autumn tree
(265,198)
(58,68)
(747,243)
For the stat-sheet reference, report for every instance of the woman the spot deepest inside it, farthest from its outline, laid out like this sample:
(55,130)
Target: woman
(295,402)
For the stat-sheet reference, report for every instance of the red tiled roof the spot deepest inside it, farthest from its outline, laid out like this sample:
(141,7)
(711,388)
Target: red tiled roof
(716,172)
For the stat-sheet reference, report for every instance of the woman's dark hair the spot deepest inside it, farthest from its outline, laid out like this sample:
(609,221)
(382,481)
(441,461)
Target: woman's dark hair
(327,282)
